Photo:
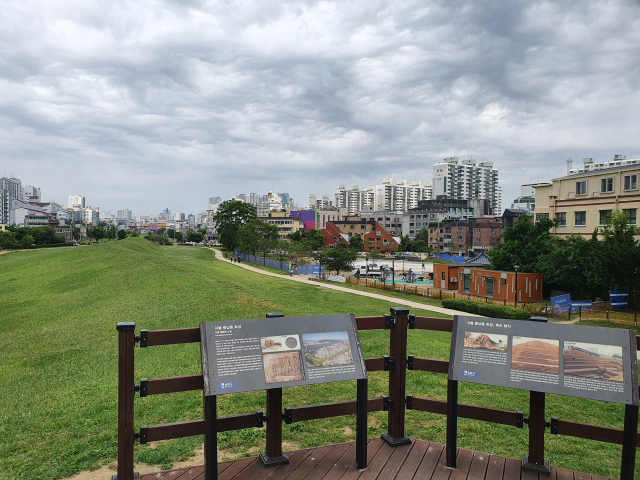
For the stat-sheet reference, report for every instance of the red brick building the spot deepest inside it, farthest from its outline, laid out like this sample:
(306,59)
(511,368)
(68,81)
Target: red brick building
(380,240)
(485,232)
(500,285)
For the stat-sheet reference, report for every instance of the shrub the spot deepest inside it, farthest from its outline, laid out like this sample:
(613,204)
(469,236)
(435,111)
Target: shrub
(486,310)
(468,306)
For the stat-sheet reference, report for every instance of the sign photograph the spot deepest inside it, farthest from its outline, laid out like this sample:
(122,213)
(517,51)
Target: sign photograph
(588,362)
(248,355)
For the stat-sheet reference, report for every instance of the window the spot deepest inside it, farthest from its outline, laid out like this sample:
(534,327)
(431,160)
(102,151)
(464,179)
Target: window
(460,237)
(541,215)
(606,185)
(603,216)
(562,219)
(378,233)
(581,219)
(631,216)
(461,229)
(581,188)
(443,276)
(478,230)
(631,182)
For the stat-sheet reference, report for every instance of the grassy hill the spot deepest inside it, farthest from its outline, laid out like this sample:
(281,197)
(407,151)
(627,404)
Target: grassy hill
(58,375)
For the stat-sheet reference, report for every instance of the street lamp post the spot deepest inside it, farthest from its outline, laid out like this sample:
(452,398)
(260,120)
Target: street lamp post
(516,268)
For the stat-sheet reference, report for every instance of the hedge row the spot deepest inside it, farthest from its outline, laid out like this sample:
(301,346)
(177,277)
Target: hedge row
(486,310)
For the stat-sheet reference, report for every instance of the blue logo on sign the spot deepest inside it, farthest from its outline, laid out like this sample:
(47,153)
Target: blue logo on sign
(227,385)
(468,373)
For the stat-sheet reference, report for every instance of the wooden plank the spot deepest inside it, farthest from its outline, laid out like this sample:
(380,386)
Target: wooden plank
(581,476)
(335,409)
(495,468)
(474,412)
(430,460)
(235,468)
(441,471)
(375,364)
(479,466)
(284,471)
(376,464)
(512,468)
(562,474)
(397,459)
(370,323)
(157,386)
(311,462)
(432,323)
(265,473)
(347,460)
(193,473)
(328,461)
(531,476)
(590,432)
(463,464)
(351,472)
(251,469)
(430,365)
(173,337)
(166,431)
(413,460)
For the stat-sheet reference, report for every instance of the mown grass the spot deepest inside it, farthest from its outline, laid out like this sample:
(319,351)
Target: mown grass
(58,381)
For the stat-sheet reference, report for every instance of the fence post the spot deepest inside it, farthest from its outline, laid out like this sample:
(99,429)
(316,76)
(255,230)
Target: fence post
(629,442)
(607,315)
(579,313)
(274,455)
(635,320)
(397,378)
(126,382)
(535,462)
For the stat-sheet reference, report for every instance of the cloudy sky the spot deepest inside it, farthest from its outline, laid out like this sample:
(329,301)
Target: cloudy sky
(152,104)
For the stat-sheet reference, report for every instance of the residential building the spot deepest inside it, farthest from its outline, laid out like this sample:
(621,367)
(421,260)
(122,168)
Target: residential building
(443,234)
(511,215)
(581,202)
(354,199)
(31,194)
(527,198)
(324,203)
(37,220)
(10,192)
(380,240)
(4,206)
(330,215)
(3,227)
(485,232)
(391,221)
(439,210)
(590,165)
(286,224)
(125,214)
(333,236)
(501,285)
(401,197)
(468,180)
(165,215)
(75,201)
(351,226)
(191,219)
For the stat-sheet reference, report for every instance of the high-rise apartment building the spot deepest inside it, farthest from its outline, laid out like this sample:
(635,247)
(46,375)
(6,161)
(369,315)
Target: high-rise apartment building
(468,180)
(323,203)
(125,214)
(383,197)
(10,192)
(590,165)
(75,201)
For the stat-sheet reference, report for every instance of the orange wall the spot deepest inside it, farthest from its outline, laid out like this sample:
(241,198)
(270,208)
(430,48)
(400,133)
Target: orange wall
(529,285)
(450,272)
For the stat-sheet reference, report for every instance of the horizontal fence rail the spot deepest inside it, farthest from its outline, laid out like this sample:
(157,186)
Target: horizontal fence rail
(397,398)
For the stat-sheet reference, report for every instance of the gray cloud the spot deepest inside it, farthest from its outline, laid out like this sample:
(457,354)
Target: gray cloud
(146,105)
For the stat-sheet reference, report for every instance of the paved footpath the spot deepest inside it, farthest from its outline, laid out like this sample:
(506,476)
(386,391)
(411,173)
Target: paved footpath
(304,279)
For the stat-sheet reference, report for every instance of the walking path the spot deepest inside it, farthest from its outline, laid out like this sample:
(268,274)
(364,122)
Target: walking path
(304,279)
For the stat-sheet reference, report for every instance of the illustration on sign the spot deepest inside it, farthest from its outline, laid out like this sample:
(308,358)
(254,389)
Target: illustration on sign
(280,343)
(282,367)
(486,341)
(591,360)
(327,349)
(536,354)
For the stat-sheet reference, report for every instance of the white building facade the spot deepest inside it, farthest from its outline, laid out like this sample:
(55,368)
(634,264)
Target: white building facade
(467,180)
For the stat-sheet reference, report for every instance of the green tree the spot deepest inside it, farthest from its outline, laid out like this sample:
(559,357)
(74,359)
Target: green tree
(179,236)
(27,241)
(523,244)
(171,233)
(357,243)
(195,237)
(203,231)
(122,234)
(339,258)
(619,257)
(8,241)
(161,231)
(255,235)
(231,215)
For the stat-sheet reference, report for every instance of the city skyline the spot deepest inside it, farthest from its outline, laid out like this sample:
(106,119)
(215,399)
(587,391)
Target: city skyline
(169,104)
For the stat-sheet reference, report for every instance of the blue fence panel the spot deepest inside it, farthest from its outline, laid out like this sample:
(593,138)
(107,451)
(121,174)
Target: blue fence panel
(618,299)
(265,262)
(582,305)
(309,270)
(458,259)
(563,303)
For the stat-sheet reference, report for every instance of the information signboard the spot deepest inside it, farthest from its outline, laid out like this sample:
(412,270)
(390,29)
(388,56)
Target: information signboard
(588,362)
(265,353)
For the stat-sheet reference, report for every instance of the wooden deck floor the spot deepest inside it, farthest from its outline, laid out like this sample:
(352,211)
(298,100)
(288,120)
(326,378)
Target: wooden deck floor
(420,460)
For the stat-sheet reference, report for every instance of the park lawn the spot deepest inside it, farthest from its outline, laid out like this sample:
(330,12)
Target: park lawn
(58,381)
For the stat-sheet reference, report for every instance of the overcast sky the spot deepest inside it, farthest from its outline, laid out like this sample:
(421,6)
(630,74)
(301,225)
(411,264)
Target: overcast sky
(153,104)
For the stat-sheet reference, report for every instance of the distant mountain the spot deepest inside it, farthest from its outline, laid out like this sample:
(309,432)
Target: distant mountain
(482,341)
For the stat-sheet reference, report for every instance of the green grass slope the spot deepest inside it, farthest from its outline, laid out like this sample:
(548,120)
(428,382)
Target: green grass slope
(58,359)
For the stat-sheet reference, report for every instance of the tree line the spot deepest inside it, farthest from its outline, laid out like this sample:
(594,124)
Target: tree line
(585,267)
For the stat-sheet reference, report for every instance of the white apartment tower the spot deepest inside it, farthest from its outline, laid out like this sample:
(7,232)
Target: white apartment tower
(75,201)
(466,180)
(385,196)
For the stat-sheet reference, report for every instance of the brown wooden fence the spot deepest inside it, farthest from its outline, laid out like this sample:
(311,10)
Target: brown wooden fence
(396,402)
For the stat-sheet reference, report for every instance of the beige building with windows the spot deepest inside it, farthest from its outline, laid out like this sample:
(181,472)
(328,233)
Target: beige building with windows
(582,201)
(284,222)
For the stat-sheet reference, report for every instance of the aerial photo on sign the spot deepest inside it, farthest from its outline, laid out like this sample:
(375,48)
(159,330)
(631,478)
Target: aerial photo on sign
(537,354)
(280,343)
(282,367)
(327,349)
(486,341)
(591,360)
